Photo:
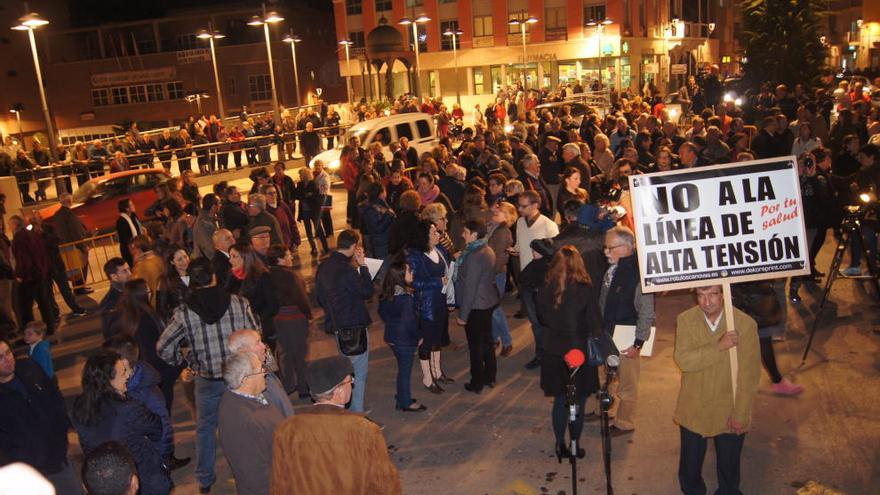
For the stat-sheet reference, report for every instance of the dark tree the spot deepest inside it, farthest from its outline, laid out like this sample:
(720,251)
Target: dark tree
(781,41)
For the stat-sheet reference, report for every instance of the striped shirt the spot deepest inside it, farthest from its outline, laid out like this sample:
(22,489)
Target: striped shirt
(206,341)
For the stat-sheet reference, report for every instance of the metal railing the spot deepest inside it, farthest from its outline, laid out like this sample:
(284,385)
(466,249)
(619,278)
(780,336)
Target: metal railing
(84,259)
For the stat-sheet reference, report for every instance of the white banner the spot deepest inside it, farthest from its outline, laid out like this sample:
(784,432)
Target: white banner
(722,224)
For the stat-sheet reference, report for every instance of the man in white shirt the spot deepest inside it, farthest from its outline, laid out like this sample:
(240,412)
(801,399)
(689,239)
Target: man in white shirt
(530,226)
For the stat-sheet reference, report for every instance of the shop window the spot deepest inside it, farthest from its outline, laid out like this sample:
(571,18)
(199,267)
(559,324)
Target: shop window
(479,87)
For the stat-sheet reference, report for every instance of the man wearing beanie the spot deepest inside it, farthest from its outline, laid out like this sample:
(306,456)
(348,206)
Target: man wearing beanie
(328,449)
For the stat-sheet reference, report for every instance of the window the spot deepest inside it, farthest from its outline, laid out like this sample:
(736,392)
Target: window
(120,95)
(175,90)
(414,3)
(424,129)
(627,18)
(594,11)
(513,28)
(383,136)
(354,7)
(383,5)
(155,92)
(138,94)
(479,88)
(483,26)
(186,41)
(404,130)
(446,41)
(448,1)
(260,87)
(231,88)
(100,98)
(554,18)
(357,37)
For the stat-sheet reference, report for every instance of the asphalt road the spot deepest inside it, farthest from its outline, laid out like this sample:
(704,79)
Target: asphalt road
(501,442)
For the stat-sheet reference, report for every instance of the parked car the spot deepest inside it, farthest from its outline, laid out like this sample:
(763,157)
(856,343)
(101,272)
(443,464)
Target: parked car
(417,127)
(577,110)
(95,202)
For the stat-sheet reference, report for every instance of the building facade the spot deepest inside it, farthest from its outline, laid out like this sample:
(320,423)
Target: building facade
(646,40)
(107,74)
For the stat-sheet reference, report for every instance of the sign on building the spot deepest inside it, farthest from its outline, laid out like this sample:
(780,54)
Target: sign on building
(678,69)
(193,56)
(719,225)
(133,77)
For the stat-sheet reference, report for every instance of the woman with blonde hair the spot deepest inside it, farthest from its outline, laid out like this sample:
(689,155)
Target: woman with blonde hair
(437,214)
(602,154)
(500,239)
(568,308)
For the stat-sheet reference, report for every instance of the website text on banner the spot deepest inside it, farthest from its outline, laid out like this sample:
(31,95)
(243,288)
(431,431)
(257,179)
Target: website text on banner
(722,224)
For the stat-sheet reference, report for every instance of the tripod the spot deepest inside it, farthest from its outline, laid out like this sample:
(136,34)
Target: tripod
(605,401)
(851,228)
(571,403)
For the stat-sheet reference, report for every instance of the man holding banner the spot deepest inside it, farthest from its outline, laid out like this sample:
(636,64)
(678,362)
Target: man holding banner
(707,405)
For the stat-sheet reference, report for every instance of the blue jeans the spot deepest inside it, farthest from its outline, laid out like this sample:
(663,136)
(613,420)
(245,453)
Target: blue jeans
(870,237)
(359,363)
(208,394)
(528,298)
(405,355)
(500,328)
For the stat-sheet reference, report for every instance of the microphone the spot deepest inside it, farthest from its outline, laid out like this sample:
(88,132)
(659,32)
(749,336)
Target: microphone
(574,358)
(612,362)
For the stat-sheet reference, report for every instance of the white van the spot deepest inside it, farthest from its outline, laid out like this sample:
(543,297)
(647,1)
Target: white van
(417,127)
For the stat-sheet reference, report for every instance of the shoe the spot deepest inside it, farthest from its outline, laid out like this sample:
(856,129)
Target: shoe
(617,432)
(77,313)
(506,350)
(83,290)
(793,296)
(434,388)
(305,396)
(313,252)
(445,379)
(417,408)
(852,271)
(785,387)
(534,363)
(818,274)
(472,388)
(519,315)
(562,451)
(205,489)
(491,384)
(175,463)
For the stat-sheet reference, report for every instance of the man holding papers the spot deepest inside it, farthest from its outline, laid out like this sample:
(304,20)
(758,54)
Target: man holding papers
(623,303)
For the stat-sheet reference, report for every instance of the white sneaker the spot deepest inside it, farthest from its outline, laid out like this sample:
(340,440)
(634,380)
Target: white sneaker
(852,271)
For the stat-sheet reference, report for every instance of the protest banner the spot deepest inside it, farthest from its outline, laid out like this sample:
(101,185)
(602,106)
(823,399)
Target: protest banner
(723,224)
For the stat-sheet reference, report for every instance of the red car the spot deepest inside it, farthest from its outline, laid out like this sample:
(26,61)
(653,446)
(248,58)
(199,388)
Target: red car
(95,202)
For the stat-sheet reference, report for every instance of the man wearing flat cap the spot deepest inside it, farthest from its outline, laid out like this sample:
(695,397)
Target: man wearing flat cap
(328,449)
(259,217)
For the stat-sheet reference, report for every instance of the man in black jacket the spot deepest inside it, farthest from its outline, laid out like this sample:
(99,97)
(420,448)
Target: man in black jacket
(342,291)
(588,240)
(33,420)
(234,216)
(119,272)
(127,228)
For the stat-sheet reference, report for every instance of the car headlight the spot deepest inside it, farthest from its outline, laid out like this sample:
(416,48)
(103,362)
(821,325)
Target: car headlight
(508,129)
(333,165)
(728,97)
(738,102)
(673,113)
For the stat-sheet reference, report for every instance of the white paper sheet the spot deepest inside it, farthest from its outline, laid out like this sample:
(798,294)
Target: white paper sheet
(625,335)
(373,266)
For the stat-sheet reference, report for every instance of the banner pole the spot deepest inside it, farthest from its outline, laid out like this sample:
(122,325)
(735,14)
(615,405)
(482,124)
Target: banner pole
(728,320)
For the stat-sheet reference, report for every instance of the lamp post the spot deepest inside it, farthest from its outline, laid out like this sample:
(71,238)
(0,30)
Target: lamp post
(17,109)
(455,33)
(293,40)
(522,29)
(210,34)
(600,26)
(406,21)
(28,23)
(346,44)
(197,96)
(265,20)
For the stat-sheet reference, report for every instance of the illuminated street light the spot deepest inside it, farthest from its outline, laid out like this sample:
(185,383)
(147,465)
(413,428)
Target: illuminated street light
(346,44)
(522,29)
(406,21)
(293,40)
(265,20)
(455,33)
(28,23)
(197,96)
(210,34)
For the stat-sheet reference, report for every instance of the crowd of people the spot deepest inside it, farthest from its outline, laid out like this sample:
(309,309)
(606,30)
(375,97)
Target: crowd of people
(207,291)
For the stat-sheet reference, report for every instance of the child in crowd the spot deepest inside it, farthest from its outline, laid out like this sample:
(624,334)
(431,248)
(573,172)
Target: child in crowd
(38,348)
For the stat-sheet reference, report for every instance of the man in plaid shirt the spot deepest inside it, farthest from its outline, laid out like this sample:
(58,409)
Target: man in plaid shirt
(204,321)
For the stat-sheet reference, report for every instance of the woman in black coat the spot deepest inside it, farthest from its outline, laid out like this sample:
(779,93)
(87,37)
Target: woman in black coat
(104,413)
(310,203)
(292,320)
(174,284)
(568,308)
(250,279)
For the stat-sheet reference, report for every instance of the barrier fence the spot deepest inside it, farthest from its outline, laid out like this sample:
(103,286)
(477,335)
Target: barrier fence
(84,259)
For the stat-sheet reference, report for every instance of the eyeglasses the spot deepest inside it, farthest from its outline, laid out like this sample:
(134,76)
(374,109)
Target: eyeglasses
(347,381)
(262,371)
(520,205)
(609,248)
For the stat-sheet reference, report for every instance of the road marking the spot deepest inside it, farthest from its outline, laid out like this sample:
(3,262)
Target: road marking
(518,487)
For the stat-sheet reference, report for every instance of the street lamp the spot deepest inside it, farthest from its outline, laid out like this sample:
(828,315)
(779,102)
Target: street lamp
(406,21)
(210,34)
(455,33)
(346,44)
(17,109)
(600,26)
(522,29)
(293,40)
(28,23)
(197,96)
(265,20)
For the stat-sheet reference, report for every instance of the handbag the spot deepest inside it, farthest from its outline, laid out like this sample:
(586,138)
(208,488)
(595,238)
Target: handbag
(352,341)
(599,347)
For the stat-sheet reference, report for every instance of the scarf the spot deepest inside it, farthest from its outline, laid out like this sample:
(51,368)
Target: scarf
(430,196)
(239,273)
(470,248)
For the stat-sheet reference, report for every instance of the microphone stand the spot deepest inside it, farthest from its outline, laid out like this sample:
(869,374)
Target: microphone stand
(605,401)
(571,404)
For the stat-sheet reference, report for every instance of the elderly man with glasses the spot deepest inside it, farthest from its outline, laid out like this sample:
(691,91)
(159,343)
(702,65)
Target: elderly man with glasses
(247,422)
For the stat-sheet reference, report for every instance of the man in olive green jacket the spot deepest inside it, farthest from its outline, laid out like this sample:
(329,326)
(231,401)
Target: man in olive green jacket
(707,406)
